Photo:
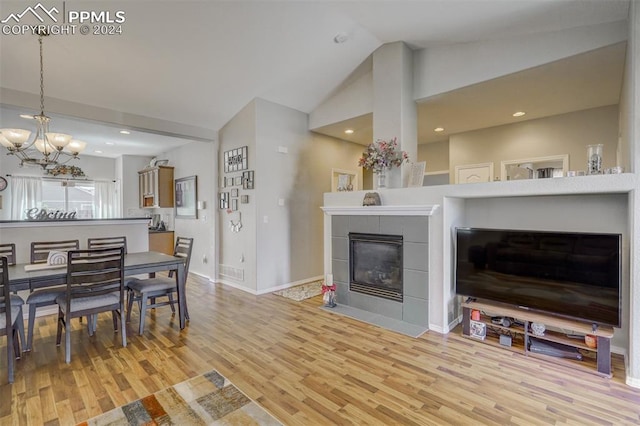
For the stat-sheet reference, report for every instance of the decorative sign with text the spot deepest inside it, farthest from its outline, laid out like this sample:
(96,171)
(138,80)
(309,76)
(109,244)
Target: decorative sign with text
(44,214)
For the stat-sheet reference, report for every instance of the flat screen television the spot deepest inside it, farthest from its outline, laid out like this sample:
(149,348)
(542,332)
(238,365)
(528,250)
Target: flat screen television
(571,274)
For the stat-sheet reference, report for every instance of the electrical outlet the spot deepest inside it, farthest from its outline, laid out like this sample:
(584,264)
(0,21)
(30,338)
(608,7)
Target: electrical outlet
(204,258)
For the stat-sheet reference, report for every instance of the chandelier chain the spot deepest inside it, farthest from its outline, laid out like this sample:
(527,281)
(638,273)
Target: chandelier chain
(41,77)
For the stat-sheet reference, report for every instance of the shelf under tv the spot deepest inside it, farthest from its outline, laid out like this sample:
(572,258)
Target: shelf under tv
(594,360)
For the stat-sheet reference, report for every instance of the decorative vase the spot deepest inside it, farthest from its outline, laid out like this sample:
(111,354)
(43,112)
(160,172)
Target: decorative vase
(382,179)
(594,159)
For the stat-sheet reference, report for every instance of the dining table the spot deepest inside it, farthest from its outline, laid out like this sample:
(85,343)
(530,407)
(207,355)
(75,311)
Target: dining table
(21,278)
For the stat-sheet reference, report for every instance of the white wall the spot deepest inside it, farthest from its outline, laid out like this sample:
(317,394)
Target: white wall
(444,68)
(352,100)
(199,159)
(238,250)
(561,134)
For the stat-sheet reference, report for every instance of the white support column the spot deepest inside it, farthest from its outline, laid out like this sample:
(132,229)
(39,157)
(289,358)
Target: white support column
(394,110)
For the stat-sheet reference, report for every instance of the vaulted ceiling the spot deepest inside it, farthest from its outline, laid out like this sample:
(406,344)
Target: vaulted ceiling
(192,65)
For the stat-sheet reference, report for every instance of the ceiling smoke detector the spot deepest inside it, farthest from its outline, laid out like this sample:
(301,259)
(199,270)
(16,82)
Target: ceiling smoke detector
(341,38)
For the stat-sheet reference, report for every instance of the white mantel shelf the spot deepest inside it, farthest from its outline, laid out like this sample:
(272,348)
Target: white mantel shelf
(417,210)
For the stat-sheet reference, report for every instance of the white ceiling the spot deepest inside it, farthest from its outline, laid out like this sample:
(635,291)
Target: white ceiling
(580,82)
(199,63)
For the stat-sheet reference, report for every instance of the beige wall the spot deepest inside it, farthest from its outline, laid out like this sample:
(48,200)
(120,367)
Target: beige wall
(561,134)
(436,155)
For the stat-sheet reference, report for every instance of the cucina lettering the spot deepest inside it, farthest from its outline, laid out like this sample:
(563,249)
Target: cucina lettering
(43,214)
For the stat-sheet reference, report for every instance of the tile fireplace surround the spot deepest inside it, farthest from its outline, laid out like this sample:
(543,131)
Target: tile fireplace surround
(412,223)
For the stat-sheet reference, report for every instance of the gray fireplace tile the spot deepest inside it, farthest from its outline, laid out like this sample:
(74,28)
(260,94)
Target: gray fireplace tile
(415,283)
(342,292)
(387,308)
(416,256)
(339,226)
(340,248)
(415,311)
(340,270)
(391,225)
(364,224)
(416,229)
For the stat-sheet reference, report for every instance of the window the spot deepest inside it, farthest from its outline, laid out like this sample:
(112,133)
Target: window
(70,196)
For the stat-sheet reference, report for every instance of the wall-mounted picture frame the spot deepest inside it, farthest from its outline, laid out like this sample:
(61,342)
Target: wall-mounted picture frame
(236,159)
(234,192)
(237,181)
(234,204)
(223,200)
(248,179)
(186,191)
(244,199)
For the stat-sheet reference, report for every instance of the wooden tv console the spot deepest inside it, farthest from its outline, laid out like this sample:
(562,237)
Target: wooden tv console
(594,360)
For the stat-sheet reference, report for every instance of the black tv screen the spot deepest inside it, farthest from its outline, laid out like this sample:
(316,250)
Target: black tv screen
(571,274)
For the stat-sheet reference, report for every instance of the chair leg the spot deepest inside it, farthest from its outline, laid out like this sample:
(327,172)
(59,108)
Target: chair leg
(143,312)
(60,322)
(123,327)
(10,354)
(170,296)
(16,344)
(67,342)
(89,325)
(114,316)
(32,320)
(21,328)
(130,297)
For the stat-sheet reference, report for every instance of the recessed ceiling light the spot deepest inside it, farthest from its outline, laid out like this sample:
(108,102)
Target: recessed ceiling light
(109,143)
(125,132)
(98,151)
(519,114)
(27,116)
(439,129)
(349,131)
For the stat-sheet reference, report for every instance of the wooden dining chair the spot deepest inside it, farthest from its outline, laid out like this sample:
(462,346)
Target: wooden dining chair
(8,250)
(107,242)
(9,319)
(95,284)
(146,291)
(44,296)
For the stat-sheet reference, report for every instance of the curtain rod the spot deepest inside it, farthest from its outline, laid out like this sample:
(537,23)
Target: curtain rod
(62,178)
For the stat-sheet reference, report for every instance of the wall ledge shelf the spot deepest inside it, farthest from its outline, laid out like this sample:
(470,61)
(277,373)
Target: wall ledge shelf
(417,210)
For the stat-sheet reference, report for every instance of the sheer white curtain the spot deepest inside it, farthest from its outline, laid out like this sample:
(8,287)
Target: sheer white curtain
(26,193)
(107,200)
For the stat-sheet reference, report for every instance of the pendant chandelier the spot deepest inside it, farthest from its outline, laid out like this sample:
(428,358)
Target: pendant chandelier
(45,149)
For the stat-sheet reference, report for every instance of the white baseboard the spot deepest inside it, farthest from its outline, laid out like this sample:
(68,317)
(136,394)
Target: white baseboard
(634,382)
(270,289)
(292,284)
(234,285)
(448,328)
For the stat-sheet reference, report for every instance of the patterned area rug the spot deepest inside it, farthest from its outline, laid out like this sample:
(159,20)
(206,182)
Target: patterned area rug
(301,292)
(209,399)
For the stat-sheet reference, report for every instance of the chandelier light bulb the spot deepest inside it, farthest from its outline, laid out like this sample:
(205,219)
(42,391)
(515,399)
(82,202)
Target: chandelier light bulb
(75,147)
(59,140)
(16,136)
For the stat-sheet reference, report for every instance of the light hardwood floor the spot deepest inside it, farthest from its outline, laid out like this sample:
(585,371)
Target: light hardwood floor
(306,367)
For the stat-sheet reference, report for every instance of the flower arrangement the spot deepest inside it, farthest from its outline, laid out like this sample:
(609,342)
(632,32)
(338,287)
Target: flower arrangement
(74,171)
(381,155)
(329,295)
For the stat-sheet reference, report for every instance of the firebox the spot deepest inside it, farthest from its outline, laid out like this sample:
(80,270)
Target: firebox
(375,265)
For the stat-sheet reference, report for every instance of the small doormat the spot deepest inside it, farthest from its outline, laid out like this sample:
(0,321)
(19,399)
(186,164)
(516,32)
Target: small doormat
(204,400)
(301,292)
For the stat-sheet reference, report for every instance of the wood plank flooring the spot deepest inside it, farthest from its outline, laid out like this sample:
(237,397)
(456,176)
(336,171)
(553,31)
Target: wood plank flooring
(306,367)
